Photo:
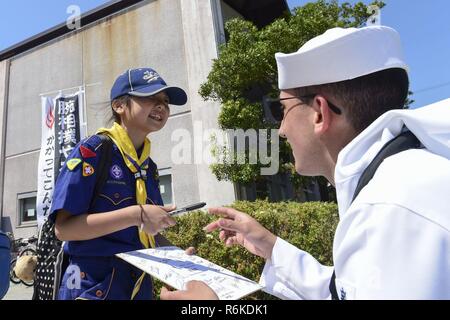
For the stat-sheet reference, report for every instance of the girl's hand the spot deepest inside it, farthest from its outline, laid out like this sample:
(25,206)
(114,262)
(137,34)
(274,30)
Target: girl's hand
(154,219)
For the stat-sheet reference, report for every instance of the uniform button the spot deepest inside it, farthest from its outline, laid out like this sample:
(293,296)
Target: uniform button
(99,293)
(116,195)
(82,275)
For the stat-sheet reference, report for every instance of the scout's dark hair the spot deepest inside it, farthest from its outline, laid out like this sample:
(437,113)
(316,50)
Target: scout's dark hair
(126,100)
(365,98)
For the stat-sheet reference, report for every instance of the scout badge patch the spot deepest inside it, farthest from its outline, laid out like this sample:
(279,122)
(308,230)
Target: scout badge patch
(88,170)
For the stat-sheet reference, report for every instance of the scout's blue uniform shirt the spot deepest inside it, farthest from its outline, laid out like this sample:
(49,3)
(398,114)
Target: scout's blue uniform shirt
(74,191)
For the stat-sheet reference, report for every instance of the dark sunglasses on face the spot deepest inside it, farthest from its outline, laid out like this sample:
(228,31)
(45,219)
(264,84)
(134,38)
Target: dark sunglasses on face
(276,109)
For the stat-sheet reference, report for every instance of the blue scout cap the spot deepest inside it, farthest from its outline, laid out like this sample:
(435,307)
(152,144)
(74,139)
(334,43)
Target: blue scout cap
(145,82)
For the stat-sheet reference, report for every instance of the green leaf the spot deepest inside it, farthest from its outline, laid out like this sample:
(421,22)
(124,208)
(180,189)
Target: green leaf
(246,70)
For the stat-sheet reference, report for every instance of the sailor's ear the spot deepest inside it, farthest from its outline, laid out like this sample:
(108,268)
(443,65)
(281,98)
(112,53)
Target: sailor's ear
(322,116)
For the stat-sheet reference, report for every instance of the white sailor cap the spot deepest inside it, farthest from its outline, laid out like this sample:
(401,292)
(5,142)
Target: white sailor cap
(340,54)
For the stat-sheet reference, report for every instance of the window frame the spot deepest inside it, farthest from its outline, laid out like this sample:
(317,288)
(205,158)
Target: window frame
(164,173)
(21,197)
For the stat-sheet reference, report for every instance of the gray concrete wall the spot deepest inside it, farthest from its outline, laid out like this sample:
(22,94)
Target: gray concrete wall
(184,175)
(3,82)
(20,177)
(3,65)
(200,50)
(55,66)
(151,34)
(52,67)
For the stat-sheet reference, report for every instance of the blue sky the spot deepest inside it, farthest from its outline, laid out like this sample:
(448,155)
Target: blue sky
(424,27)
(21,19)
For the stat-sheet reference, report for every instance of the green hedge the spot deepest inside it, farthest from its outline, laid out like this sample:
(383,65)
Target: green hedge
(309,226)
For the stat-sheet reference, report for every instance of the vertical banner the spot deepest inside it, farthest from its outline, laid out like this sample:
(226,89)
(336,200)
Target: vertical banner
(62,122)
(67,128)
(46,166)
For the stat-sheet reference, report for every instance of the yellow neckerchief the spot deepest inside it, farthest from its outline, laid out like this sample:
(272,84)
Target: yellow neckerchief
(123,142)
(126,147)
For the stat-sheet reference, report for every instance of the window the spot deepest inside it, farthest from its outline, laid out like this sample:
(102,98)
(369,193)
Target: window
(165,187)
(27,208)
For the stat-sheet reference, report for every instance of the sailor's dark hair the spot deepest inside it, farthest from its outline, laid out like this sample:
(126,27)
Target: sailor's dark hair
(365,98)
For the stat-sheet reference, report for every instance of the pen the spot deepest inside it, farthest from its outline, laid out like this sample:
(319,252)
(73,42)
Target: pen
(186,209)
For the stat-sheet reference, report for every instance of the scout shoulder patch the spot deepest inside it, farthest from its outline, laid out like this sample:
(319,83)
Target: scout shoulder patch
(73,163)
(87,153)
(88,170)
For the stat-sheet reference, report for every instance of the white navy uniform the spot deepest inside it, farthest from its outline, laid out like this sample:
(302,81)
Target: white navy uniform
(393,240)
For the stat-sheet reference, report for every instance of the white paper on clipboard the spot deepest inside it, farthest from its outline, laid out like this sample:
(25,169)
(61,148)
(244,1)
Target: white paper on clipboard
(174,267)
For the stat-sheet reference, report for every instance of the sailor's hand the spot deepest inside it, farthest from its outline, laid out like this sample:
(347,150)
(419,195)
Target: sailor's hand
(239,228)
(195,290)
